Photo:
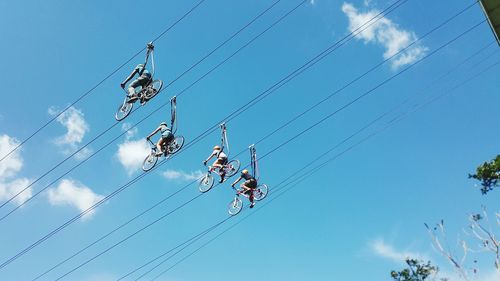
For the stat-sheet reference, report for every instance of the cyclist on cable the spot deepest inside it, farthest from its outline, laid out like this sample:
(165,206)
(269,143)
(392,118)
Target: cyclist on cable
(219,162)
(143,79)
(166,137)
(248,186)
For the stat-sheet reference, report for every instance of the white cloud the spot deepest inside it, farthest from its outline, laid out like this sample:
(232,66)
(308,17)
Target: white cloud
(75,194)
(384,250)
(83,154)
(76,128)
(9,168)
(131,153)
(386,33)
(182,176)
(129,131)
(490,276)
(13,187)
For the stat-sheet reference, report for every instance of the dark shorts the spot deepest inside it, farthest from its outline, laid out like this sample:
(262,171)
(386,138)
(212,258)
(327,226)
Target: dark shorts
(142,81)
(251,183)
(168,137)
(221,161)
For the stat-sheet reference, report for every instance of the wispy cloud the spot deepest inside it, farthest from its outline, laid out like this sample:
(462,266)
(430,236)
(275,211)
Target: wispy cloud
(75,194)
(131,153)
(182,176)
(73,120)
(10,183)
(386,33)
(387,251)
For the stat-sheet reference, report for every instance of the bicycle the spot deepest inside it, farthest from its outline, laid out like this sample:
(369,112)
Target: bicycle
(145,94)
(230,169)
(167,150)
(259,193)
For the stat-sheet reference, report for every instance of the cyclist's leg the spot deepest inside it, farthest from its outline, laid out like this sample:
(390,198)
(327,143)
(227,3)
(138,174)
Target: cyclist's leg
(131,88)
(168,140)
(159,146)
(252,185)
(217,163)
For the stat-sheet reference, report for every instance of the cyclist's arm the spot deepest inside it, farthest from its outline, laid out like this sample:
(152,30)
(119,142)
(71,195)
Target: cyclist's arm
(236,181)
(210,157)
(130,76)
(154,132)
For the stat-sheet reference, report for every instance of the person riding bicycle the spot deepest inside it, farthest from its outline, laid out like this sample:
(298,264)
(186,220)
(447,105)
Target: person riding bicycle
(248,186)
(166,137)
(219,162)
(142,81)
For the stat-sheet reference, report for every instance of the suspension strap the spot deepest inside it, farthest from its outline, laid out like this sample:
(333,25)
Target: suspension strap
(173,114)
(253,162)
(150,51)
(224,141)
(152,64)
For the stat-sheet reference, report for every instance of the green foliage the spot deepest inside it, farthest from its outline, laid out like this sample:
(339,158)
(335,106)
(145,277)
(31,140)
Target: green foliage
(488,174)
(416,271)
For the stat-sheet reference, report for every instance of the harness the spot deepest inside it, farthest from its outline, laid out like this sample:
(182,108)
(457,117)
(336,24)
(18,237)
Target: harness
(253,162)
(173,114)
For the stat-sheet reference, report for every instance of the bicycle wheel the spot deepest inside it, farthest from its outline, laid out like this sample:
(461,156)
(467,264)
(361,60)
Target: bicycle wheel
(124,110)
(150,161)
(260,192)
(232,168)
(235,206)
(206,183)
(153,89)
(176,144)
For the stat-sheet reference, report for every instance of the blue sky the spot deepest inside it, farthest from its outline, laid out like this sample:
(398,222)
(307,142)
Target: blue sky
(365,210)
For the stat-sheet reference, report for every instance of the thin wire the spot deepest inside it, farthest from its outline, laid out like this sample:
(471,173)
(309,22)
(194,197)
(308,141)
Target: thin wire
(226,41)
(116,123)
(375,88)
(231,116)
(300,179)
(188,242)
(376,18)
(180,250)
(115,229)
(306,130)
(98,84)
(129,236)
(358,78)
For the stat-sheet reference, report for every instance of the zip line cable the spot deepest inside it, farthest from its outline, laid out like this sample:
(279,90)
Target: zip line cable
(110,195)
(187,242)
(115,230)
(376,87)
(376,18)
(129,236)
(204,134)
(116,123)
(312,171)
(190,241)
(226,41)
(98,84)
(364,74)
(304,131)
(300,179)
(316,159)
(186,245)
